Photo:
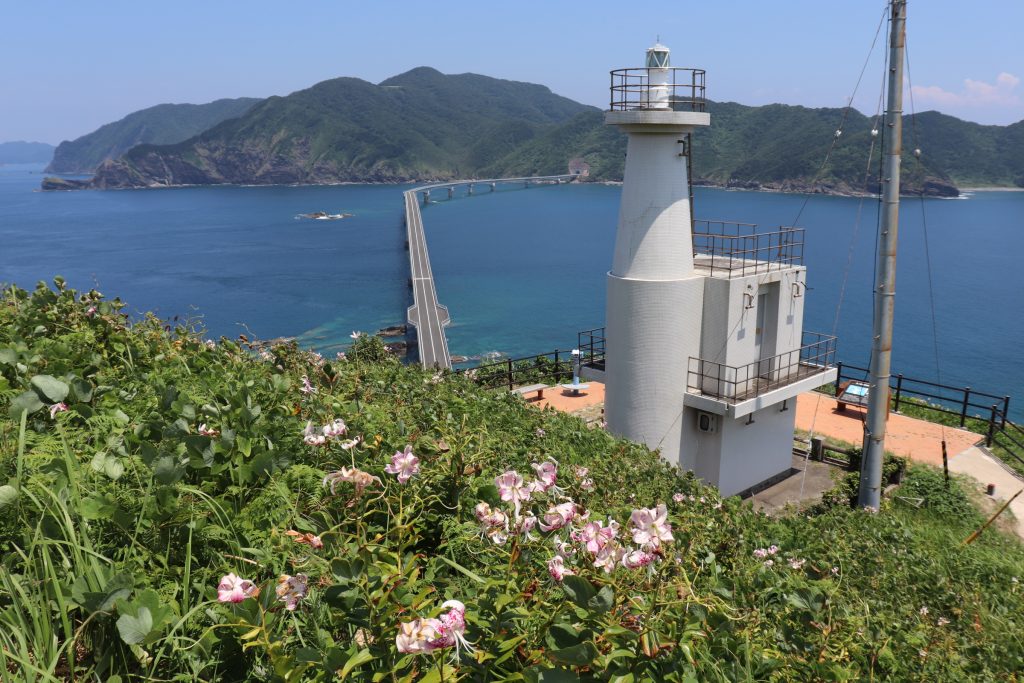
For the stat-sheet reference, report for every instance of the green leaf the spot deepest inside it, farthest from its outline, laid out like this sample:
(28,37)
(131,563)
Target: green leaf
(142,619)
(25,403)
(8,496)
(134,629)
(579,590)
(577,655)
(166,470)
(458,567)
(97,507)
(557,676)
(244,445)
(81,390)
(356,660)
(50,388)
(603,601)
(8,357)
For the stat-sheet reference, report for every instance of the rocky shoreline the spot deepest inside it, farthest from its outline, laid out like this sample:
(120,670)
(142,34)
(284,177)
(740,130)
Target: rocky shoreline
(126,181)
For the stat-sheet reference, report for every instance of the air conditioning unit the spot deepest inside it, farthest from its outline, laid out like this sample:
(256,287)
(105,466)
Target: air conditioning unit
(707,422)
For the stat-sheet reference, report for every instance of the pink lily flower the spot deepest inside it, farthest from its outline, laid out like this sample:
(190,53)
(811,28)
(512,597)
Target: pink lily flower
(558,516)
(234,588)
(351,475)
(547,473)
(404,464)
(207,431)
(414,637)
(453,628)
(58,408)
(311,438)
(493,523)
(637,559)
(595,535)
(557,568)
(650,526)
(608,556)
(351,443)
(512,489)
(307,386)
(291,589)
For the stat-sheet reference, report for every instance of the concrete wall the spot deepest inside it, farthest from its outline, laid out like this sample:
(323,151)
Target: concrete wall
(652,330)
(653,238)
(754,452)
(728,329)
(741,455)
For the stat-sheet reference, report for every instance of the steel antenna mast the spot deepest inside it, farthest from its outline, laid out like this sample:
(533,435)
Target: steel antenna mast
(885,287)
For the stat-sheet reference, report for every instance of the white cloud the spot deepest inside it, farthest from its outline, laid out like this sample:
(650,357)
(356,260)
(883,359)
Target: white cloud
(974,93)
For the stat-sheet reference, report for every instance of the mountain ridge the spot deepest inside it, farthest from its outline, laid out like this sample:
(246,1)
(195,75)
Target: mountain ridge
(423,125)
(161,123)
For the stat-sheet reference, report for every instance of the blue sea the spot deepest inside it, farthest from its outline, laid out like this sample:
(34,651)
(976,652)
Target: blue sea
(521,270)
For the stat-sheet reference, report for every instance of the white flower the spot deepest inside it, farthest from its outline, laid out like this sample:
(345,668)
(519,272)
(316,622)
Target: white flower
(923,611)
(795,563)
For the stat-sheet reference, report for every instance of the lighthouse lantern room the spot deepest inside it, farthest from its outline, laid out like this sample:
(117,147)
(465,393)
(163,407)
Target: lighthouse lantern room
(705,353)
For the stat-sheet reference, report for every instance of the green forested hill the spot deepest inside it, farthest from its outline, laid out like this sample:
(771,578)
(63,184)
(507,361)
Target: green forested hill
(162,124)
(21,152)
(425,125)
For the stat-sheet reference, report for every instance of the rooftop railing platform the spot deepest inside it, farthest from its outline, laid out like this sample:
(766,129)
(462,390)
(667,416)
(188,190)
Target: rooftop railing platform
(729,249)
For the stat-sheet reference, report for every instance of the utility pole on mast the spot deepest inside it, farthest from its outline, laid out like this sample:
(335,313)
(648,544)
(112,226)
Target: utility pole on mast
(885,288)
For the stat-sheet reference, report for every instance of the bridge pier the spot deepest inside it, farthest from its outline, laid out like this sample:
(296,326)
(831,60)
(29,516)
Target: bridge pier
(426,196)
(492,186)
(471,189)
(451,191)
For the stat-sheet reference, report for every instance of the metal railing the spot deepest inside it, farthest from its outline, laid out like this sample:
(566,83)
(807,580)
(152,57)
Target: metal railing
(591,346)
(728,246)
(553,367)
(632,90)
(740,383)
(961,402)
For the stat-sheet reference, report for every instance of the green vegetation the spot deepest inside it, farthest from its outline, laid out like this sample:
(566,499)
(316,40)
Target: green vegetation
(159,125)
(153,478)
(424,125)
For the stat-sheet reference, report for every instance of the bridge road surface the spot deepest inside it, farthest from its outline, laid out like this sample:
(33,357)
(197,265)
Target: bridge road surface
(426,314)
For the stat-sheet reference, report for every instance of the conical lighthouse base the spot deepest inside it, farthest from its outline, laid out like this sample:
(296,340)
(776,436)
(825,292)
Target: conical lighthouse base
(654,297)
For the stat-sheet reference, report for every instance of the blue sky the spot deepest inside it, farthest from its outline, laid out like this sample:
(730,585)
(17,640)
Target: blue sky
(71,67)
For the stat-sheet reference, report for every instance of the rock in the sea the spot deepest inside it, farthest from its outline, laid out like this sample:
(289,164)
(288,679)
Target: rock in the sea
(398,348)
(392,331)
(51,183)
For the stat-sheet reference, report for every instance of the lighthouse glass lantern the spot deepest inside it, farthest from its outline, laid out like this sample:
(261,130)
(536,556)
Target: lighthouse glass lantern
(705,352)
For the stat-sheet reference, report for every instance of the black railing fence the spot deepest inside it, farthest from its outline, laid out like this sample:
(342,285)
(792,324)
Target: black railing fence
(683,89)
(962,403)
(553,367)
(591,346)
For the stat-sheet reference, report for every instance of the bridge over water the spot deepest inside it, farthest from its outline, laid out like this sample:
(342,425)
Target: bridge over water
(426,314)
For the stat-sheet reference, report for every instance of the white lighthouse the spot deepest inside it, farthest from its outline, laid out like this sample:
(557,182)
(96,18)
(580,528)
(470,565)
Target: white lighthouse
(704,352)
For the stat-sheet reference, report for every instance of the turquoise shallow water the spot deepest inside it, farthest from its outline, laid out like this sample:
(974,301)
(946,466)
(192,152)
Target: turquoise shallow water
(520,270)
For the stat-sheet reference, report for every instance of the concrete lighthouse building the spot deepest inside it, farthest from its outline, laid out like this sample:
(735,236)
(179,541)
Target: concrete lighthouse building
(705,353)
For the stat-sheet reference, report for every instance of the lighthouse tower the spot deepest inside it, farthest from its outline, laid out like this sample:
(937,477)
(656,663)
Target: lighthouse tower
(654,295)
(703,325)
